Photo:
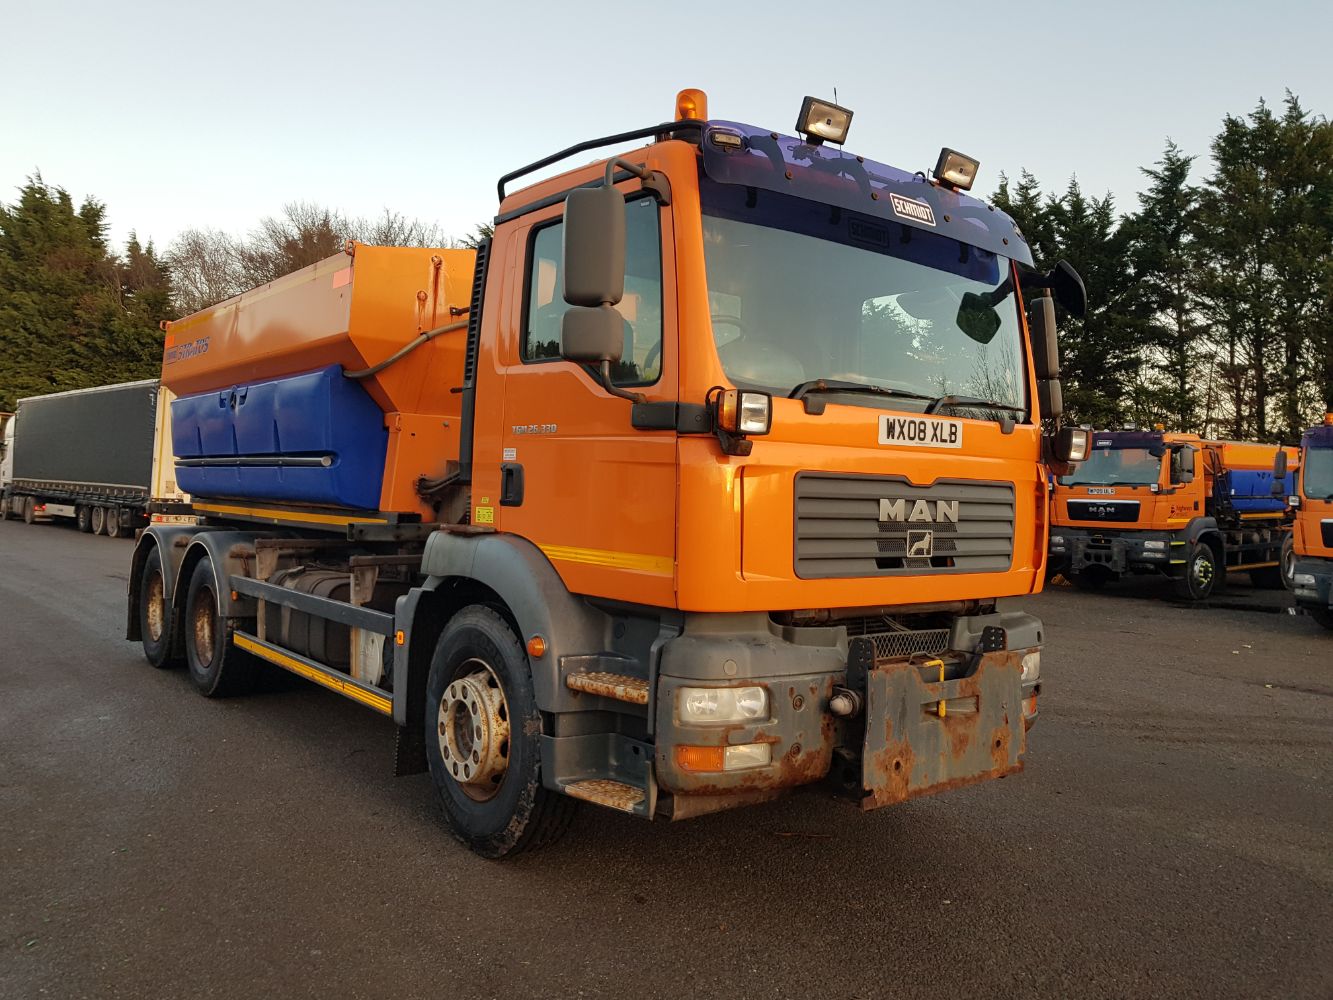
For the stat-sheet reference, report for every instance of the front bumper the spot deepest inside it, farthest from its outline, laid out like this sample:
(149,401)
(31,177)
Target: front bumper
(1313,583)
(926,723)
(1078,549)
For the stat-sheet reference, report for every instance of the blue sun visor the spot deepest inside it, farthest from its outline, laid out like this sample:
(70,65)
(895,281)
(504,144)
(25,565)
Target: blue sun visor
(742,154)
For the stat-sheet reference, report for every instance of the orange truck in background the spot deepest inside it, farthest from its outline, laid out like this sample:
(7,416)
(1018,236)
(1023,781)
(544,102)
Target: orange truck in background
(706,478)
(1152,502)
(1312,569)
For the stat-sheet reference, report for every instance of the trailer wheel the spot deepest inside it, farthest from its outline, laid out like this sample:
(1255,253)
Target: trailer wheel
(155,614)
(29,510)
(98,520)
(83,518)
(217,667)
(113,528)
(1201,576)
(482,739)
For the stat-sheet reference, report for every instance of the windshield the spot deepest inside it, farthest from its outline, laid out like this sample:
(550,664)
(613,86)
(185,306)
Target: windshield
(1317,475)
(800,291)
(1107,466)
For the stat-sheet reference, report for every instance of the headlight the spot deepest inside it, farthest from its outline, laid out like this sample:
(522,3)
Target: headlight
(1031,666)
(703,706)
(1303,580)
(1154,545)
(1057,539)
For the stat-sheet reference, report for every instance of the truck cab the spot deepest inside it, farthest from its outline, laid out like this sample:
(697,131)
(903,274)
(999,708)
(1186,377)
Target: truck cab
(722,487)
(1154,502)
(1312,536)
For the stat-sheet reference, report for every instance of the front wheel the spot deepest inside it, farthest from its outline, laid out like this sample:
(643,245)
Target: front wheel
(217,667)
(483,739)
(1202,574)
(1287,560)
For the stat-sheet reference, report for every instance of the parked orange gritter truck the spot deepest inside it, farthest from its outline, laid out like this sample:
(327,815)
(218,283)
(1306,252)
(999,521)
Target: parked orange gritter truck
(706,478)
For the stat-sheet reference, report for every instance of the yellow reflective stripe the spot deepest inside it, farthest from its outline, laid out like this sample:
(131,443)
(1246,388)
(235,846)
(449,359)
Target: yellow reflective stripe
(287,515)
(661,565)
(330,681)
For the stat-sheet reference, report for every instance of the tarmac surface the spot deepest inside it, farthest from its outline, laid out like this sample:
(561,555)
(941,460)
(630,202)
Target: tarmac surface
(1171,836)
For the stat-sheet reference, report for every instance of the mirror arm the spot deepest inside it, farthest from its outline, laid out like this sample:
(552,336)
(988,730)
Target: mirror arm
(604,370)
(653,181)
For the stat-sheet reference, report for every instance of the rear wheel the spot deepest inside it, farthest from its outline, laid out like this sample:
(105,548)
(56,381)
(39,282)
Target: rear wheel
(7,511)
(155,613)
(98,520)
(29,510)
(113,526)
(482,739)
(83,519)
(1202,574)
(217,667)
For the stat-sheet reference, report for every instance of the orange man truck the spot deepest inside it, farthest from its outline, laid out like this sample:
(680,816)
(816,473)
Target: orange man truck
(1172,504)
(1312,571)
(704,479)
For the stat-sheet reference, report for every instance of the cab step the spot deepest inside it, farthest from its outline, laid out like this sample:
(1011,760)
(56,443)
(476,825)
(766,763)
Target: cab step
(612,794)
(620,687)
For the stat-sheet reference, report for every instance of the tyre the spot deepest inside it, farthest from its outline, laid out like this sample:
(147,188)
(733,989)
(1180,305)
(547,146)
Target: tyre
(98,520)
(7,511)
(83,519)
(1202,574)
(155,614)
(482,741)
(113,526)
(217,667)
(1092,578)
(29,510)
(1287,562)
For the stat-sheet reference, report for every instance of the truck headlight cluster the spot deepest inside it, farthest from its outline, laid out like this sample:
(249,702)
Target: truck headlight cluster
(1303,580)
(705,706)
(1159,546)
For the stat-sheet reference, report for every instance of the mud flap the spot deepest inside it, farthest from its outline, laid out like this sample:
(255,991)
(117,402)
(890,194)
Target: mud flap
(925,735)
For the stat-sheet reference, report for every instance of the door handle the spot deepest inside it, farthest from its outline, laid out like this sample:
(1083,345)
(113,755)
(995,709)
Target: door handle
(511,484)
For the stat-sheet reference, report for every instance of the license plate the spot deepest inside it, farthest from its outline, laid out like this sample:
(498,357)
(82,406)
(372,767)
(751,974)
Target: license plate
(1101,491)
(920,432)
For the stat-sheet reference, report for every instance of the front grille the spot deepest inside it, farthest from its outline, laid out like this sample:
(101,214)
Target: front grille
(898,641)
(1124,511)
(840,533)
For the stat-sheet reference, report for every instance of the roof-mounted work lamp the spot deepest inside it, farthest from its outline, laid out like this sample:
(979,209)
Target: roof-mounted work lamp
(956,171)
(821,121)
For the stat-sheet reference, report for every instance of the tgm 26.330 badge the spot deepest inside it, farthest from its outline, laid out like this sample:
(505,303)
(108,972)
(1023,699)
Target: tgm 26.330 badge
(920,432)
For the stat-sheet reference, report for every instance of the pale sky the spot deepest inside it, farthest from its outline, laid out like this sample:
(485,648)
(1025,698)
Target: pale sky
(191,114)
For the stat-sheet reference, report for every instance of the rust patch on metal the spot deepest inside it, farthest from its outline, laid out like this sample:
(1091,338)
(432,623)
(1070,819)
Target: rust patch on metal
(603,792)
(621,687)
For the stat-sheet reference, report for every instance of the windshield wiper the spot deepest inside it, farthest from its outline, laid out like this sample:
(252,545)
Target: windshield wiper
(951,401)
(816,406)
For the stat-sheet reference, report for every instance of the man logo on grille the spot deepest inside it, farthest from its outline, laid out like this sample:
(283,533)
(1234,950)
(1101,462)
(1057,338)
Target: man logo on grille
(920,544)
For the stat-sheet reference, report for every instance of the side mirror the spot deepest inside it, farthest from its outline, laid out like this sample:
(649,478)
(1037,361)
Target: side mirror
(1280,465)
(594,247)
(1068,288)
(591,335)
(1046,357)
(1182,465)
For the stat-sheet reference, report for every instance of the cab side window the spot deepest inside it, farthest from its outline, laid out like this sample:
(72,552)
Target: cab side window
(640,309)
